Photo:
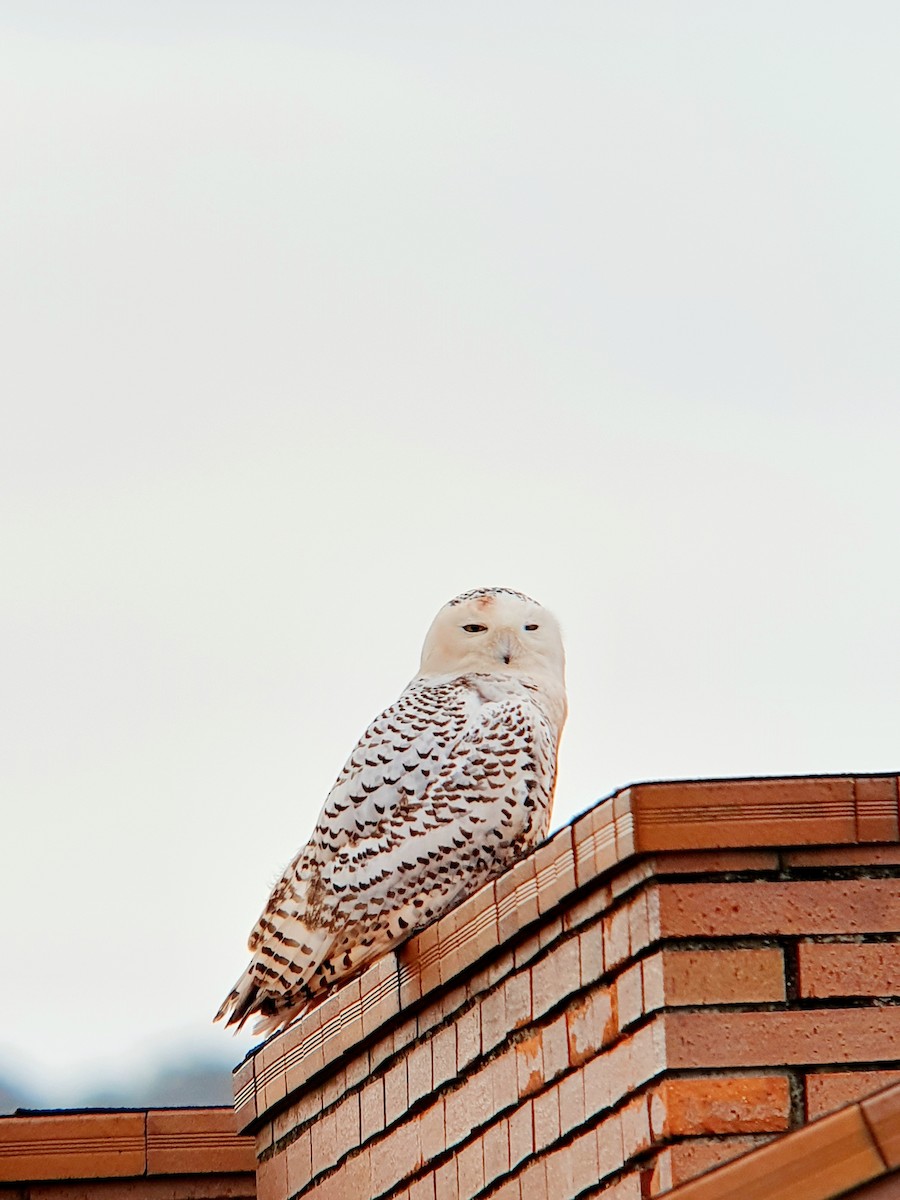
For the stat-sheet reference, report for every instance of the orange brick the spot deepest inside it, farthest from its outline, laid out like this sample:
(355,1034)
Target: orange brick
(703,1039)
(582,1154)
(420,1189)
(590,948)
(183,1141)
(827,1091)
(714,862)
(432,1131)
(610,1156)
(876,808)
(495,1141)
(849,969)
(468,1038)
(521,1133)
(554,1038)
(470,1168)
(843,856)
(571,1102)
(720,1104)
(689,1160)
(530,1064)
(372,1108)
(725,976)
(503,1074)
(72,1145)
(555,977)
(797,907)
(396,1092)
(271,1178)
(636,1136)
(629,1187)
(617,937)
(546,1118)
(592,1023)
(630,996)
(743,812)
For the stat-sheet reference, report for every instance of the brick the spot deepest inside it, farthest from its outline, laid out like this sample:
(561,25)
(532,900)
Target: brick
(396,1093)
(715,862)
(517,989)
(882,1113)
(446,1186)
(849,969)
(298,1157)
(324,1143)
(516,895)
(492,1020)
(371,1101)
(629,1187)
(764,908)
(66,1146)
(521,1134)
(495,1142)
(684,1161)
(590,950)
(610,1156)
(470,1168)
(555,977)
(630,996)
(419,1189)
(876,808)
(699,1039)
(616,937)
(592,1022)
(743,812)
(419,1075)
(467,1107)
(571,1102)
(820,1161)
(594,837)
(587,908)
(843,856)
(554,863)
(555,1042)
(432,1131)
(347,1122)
(196,1140)
(503,1074)
(468,1037)
(636,1136)
(271,1178)
(703,1105)
(546,1118)
(443,1055)
(582,1154)
(530,1064)
(827,1091)
(726,976)
(560,1170)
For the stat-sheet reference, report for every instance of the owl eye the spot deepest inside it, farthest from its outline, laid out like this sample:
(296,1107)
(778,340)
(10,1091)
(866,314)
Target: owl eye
(531,628)
(475,628)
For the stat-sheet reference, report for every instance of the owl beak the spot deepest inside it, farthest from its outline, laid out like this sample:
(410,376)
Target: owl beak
(506,647)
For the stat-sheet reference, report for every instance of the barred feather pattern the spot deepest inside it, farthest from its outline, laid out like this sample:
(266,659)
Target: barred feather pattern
(447,788)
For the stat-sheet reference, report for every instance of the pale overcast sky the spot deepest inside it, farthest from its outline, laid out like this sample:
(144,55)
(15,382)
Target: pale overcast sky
(314,315)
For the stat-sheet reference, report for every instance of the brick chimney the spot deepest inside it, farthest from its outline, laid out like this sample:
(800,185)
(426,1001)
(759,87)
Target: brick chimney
(683,974)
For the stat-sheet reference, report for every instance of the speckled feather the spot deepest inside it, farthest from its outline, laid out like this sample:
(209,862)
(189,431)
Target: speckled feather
(446,788)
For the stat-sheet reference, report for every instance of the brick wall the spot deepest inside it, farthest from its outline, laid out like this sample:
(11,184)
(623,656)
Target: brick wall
(152,1154)
(683,974)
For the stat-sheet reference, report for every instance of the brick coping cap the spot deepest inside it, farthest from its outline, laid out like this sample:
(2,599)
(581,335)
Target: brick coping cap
(854,812)
(103,1143)
(848,1149)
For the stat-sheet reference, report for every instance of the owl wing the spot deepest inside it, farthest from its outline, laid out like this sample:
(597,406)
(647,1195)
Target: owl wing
(444,789)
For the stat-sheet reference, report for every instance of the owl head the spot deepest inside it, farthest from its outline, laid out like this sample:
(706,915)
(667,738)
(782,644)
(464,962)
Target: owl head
(495,631)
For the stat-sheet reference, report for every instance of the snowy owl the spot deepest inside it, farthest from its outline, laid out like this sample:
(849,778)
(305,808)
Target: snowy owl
(446,789)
